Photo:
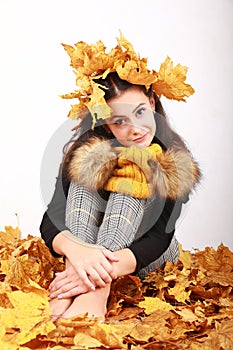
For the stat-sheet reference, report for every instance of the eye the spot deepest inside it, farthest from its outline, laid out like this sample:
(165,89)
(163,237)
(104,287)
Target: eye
(120,121)
(140,111)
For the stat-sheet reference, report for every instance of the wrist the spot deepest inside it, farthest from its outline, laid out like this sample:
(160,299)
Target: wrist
(127,262)
(59,243)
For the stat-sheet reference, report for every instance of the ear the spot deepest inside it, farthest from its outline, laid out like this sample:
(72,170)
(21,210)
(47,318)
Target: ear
(152,102)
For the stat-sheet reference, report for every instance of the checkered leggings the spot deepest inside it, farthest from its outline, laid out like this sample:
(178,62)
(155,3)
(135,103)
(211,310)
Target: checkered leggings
(114,223)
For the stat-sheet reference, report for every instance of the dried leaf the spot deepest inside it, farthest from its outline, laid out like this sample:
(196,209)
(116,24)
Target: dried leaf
(153,304)
(101,334)
(171,81)
(29,317)
(91,62)
(10,236)
(185,305)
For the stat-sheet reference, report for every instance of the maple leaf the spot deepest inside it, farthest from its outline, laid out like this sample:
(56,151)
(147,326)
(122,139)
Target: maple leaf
(98,335)
(92,62)
(127,288)
(153,304)
(135,73)
(215,260)
(141,315)
(171,81)
(153,326)
(11,235)
(30,316)
(224,334)
(179,291)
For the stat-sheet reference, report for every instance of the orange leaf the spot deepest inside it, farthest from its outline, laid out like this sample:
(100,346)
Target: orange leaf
(171,81)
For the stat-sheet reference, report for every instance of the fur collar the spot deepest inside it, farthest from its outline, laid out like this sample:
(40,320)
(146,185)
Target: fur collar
(175,174)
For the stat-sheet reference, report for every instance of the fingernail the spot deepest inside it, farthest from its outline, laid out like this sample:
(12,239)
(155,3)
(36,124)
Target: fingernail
(60,296)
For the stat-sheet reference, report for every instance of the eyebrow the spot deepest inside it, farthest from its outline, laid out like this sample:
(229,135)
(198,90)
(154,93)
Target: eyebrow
(120,116)
(140,104)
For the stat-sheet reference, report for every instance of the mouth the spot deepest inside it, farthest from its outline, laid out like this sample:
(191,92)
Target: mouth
(141,138)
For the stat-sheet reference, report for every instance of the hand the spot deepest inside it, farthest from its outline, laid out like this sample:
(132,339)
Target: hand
(93,264)
(67,284)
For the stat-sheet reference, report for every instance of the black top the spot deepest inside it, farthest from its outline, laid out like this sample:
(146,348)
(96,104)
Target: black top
(146,249)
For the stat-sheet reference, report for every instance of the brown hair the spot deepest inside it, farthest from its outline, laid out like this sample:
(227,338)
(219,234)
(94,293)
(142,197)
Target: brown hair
(113,86)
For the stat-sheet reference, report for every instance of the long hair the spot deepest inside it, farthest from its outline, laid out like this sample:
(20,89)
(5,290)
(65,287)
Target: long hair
(114,86)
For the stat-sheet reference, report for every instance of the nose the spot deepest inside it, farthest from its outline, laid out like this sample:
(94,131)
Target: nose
(136,129)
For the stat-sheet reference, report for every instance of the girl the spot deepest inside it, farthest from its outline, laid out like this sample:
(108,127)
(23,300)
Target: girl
(120,189)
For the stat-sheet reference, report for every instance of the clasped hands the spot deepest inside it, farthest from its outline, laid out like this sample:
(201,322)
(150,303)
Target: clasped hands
(87,267)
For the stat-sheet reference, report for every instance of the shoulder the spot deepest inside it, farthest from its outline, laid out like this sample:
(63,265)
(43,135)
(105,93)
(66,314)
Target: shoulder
(176,173)
(92,162)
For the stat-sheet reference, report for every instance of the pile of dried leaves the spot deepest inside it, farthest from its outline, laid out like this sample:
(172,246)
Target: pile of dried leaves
(187,305)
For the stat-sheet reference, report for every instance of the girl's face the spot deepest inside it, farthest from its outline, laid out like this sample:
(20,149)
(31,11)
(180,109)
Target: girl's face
(132,120)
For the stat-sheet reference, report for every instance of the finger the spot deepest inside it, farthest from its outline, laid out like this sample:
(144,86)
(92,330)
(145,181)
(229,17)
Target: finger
(58,284)
(62,289)
(107,266)
(59,277)
(73,292)
(110,255)
(84,279)
(99,276)
(105,271)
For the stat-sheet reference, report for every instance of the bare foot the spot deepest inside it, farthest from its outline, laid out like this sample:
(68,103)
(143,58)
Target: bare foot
(59,306)
(93,303)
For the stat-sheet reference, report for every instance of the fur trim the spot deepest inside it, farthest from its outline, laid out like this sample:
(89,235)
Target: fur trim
(175,174)
(92,164)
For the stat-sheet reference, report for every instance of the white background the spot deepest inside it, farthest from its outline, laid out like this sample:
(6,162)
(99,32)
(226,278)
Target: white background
(35,70)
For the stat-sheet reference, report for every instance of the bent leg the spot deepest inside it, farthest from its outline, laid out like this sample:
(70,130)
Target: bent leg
(122,219)
(93,303)
(84,210)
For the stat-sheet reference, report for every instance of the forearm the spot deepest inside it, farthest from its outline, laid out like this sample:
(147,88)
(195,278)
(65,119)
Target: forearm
(59,244)
(127,262)
(63,241)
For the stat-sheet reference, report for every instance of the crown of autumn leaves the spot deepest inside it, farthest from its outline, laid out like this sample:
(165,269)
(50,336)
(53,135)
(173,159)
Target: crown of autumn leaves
(92,62)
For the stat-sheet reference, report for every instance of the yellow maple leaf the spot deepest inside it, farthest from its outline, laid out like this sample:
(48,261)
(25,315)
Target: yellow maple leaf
(10,236)
(187,314)
(101,334)
(97,105)
(153,304)
(31,316)
(126,44)
(171,81)
(179,292)
(186,258)
(14,271)
(86,341)
(135,73)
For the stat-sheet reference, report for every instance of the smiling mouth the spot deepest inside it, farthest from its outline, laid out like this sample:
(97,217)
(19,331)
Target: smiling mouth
(141,138)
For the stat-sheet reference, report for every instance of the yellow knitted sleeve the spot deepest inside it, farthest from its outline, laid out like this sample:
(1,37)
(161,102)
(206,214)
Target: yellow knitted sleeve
(132,176)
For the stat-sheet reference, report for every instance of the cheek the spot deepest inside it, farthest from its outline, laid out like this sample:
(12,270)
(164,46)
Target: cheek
(119,133)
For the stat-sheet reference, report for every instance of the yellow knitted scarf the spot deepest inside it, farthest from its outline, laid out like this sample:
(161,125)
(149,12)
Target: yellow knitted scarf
(133,174)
